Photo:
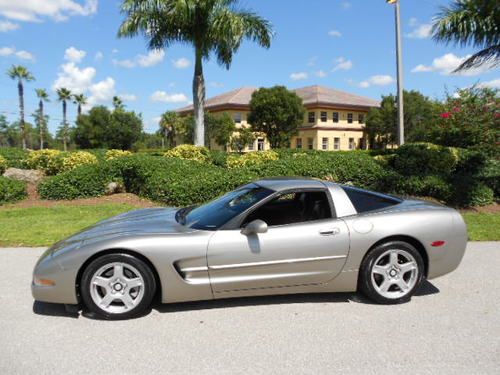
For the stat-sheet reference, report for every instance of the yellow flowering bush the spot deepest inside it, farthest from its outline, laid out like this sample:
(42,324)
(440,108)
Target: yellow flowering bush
(76,159)
(113,154)
(49,161)
(251,159)
(189,152)
(3,164)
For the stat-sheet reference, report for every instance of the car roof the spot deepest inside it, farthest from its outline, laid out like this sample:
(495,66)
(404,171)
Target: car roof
(286,183)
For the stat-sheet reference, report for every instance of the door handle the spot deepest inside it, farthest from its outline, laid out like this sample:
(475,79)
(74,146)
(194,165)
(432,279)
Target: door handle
(329,231)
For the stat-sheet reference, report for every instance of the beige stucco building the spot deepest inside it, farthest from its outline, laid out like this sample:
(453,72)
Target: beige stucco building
(334,120)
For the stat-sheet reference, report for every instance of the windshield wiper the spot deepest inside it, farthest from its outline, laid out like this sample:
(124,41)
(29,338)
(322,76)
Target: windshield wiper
(180,215)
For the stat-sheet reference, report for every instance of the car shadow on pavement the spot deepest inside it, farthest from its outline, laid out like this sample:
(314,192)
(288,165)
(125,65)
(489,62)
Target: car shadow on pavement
(60,310)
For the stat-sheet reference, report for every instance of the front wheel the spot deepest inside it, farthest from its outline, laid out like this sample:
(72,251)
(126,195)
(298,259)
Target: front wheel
(117,286)
(391,273)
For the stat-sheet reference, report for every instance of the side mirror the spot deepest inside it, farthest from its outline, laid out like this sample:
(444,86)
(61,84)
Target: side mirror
(254,227)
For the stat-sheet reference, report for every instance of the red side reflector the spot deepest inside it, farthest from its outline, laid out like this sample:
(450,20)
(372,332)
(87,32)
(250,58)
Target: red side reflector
(438,243)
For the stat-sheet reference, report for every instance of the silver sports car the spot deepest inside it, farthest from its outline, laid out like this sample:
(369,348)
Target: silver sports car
(273,236)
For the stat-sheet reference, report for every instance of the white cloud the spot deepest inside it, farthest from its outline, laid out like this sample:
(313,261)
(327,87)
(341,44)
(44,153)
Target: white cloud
(8,26)
(181,63)
(494,84)
(162,96)
(342,64)
(413,22)
(114,50)
(102,92)
(320,74)
(377,80)
(98,56)
(74,55)
(422,31)
(145,61)
(335,33)
(128,97)
(37,10)
(447,63)
(345,5)
(299,76)
(11,51)
(73,78)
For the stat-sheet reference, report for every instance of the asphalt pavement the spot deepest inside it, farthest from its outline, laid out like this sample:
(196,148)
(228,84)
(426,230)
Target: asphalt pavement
(451,327)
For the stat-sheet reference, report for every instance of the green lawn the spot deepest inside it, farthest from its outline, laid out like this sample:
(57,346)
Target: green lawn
(42,226)
(483,226)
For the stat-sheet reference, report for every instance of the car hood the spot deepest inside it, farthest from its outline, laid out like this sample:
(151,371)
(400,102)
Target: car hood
(137,222)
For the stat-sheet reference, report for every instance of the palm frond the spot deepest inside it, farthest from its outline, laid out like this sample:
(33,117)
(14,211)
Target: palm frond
(489,56)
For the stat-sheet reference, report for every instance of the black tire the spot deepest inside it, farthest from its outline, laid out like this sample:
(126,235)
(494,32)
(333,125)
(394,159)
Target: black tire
(149,285)
(365,279)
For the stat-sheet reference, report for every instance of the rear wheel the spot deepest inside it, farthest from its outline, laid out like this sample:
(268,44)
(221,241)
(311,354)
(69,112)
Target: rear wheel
(117,286)
(391,273)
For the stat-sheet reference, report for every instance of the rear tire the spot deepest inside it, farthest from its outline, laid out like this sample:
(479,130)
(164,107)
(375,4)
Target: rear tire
(117,286)
(391,273)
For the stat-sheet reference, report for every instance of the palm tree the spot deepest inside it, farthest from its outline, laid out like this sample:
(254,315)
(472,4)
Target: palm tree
(63,95)
(79,100)
(474,23)
(118,103)
(43,96)
(21,73)
(208,25)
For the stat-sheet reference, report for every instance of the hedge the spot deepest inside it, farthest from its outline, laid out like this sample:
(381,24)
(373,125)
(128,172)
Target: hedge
(15,157)
(11,190)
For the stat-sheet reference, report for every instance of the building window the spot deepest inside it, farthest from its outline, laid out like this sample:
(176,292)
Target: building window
(361,118)
(349,118)
(335,117)
(310,143)
(251,147)
(260,144)
(311,117)
(237,117)
(352,144)
(298,143)
(324,116)
(336,143)
(324,143)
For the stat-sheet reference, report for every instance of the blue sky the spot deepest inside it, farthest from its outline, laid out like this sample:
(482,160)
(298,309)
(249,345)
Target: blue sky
(344,44)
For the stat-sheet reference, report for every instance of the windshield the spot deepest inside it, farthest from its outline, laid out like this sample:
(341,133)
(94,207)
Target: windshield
(216,213)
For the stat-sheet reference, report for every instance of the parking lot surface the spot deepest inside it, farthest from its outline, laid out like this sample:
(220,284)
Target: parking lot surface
(451,327)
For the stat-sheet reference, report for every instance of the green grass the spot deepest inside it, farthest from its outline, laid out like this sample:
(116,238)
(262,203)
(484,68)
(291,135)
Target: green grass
(43,226)
(483,226)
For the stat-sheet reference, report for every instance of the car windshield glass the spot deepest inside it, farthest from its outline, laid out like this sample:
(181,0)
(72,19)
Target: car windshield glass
(216,213)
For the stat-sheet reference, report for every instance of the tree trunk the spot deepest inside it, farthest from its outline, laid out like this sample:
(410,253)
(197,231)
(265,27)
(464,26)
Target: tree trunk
(41,122)
(22,125)
(199,101)
(65,127)
(79,109)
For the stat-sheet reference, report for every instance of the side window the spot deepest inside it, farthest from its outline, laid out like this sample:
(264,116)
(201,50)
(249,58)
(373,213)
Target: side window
(290,208)
(364,201)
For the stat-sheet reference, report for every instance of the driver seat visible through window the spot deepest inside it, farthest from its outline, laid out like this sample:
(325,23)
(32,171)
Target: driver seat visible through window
(294,207)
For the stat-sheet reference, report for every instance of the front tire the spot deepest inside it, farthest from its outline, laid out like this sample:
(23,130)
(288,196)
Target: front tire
(117,286)
(391,273)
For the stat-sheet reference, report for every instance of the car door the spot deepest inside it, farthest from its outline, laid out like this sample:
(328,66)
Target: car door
(296,251)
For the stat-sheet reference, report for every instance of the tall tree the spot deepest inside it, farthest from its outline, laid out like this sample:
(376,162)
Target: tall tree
(277,112)
(208,25)
(21,73)
(80,100)
(43,96)
(471,22)
(220,128)
(64,95)
(118,103)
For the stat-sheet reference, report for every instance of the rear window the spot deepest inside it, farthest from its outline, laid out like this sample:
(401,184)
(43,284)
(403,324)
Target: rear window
(364,201)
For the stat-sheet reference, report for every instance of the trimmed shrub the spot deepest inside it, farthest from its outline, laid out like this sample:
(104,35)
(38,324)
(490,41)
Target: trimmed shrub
(11,190)
(251,159)
(113,154)
(77,159)
(189,152)
(3,164)
(417,186)
(423,159)
(16,157)
(219,158)
(49,161)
